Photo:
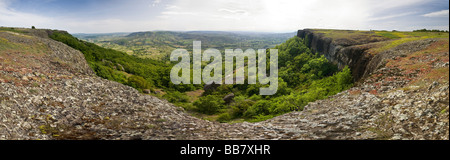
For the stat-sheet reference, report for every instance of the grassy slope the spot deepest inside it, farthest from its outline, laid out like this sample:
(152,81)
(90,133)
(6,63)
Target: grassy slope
(426,63)
(404,37)
(388,39)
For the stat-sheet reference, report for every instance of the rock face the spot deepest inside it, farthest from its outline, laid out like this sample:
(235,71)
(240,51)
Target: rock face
(342,51)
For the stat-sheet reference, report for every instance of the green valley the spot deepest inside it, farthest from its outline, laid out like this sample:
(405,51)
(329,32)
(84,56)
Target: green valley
(159,44)
(304,77)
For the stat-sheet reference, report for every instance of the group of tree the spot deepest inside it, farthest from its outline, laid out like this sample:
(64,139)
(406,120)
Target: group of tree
(304,77)
(433,30)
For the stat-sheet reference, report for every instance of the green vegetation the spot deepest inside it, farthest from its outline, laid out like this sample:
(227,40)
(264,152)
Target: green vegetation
(390,35)
(17,30)
(209,104)
(6,46)
(304,77)
(351,37)
(433,30)
(145,73)
(399,38)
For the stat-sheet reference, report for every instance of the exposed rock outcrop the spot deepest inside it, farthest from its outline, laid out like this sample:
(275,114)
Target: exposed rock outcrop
(348,51)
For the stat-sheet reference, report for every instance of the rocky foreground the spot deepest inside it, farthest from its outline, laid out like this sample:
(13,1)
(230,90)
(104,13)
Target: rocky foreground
(47,91)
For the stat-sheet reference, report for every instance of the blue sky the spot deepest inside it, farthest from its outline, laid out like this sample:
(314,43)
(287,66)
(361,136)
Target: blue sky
(104,16)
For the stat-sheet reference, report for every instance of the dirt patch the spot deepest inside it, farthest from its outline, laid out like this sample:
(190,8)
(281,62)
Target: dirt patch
(194,95)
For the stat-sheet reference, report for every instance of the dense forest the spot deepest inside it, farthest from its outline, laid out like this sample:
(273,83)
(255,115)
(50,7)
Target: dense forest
(304,77)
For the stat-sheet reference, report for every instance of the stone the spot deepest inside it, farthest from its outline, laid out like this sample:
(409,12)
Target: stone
(397,137)
(229,98)
(210,87)
(158,92)
(120,67)
(147,91)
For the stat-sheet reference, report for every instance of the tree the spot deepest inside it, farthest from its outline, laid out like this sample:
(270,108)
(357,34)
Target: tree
(209,104)
(138,82)
(32,27)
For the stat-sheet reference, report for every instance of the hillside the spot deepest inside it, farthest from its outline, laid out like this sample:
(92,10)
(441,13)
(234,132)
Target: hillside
(48,91)
(158,45)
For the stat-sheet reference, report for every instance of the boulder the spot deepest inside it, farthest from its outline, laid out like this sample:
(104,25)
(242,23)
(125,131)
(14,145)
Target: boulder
(229,98)
(158,92)
(147,91)
(210,87)
(120,67)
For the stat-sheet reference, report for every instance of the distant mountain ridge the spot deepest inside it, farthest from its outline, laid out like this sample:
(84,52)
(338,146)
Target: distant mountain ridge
(159,44)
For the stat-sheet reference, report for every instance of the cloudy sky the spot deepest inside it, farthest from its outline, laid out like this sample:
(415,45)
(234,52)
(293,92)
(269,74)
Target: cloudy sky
(105,16)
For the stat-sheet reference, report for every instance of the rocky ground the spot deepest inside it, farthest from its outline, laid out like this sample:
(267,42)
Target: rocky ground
(56,96)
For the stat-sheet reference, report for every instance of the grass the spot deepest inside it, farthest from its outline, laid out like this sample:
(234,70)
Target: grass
(35,48)
(16,30)
(391,39)
(423,63)
(440,74)
(194,95)
(390,35)
(404,37)
(352,35)
(341,33)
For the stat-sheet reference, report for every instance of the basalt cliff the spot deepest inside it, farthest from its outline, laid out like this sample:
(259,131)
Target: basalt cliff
(48,91)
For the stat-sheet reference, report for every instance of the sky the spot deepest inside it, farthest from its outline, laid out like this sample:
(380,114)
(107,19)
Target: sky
(107,16)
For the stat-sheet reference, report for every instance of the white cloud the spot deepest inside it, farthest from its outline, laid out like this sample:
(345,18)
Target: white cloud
(391,16)
(239,12)
(237,15)
(265,15)
(382,5)
(156,2)
(10,17)
(168,7)
(443,13)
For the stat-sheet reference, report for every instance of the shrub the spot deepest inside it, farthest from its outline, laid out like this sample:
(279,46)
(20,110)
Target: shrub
(260,108)
(188,106)
(176,97)
(138,83)
(224,117)
(259,118)
(240,107)
(209,104)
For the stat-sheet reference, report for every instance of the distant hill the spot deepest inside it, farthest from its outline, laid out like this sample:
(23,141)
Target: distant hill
(99,36)
(159,44)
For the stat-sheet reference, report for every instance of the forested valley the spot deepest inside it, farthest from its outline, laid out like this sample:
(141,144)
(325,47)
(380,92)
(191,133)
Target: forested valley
(304,77)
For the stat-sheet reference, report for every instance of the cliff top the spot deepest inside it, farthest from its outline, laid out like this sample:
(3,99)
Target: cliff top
(356,37)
